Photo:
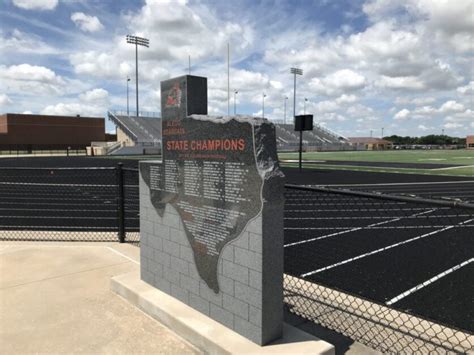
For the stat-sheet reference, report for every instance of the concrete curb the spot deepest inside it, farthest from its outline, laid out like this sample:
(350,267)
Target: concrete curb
(205,333)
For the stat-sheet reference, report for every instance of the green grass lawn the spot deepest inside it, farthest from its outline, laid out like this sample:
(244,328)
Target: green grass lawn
(462,156)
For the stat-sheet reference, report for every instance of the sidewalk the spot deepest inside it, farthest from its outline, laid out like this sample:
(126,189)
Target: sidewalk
(56,298)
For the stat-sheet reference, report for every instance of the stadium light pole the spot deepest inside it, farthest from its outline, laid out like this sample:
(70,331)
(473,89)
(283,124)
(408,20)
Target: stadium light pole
(235,100)
(284,114)
(295,71)
(128,107)
(304,106)
(137,41)
(263,104)
(382,133)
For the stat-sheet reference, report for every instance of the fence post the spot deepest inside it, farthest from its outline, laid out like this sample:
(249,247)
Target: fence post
(120,204)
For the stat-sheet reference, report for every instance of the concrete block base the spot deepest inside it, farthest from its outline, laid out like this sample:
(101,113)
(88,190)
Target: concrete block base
(205,333)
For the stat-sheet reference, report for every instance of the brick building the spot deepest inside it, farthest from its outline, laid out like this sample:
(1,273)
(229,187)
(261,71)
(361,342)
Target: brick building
(470,142)
(37,132)
(369,143)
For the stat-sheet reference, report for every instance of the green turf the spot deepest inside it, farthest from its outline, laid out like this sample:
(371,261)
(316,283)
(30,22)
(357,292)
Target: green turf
(462,156)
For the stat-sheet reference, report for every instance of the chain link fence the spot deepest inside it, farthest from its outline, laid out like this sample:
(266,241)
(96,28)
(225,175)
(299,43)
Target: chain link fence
(394,273)
(69,204)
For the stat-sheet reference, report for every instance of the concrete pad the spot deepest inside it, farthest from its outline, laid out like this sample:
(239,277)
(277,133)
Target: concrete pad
(57,299)
(205,333)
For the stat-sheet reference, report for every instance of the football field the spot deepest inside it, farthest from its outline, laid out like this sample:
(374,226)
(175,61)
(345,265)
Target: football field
(432,162)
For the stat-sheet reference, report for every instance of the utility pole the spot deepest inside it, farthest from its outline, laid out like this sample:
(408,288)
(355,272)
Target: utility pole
(263,104)
(295,71)
(128,107)
(235,100)
(137,41)
(228,79)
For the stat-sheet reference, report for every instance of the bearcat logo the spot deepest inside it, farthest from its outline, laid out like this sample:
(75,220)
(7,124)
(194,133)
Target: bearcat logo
(174,96)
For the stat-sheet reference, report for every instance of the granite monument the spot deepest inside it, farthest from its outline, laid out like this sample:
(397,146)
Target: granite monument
(212,213)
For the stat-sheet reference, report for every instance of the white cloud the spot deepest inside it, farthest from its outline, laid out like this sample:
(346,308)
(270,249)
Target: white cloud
(29,72)
(95,95)
(424,128)
(346,99)
(31,79)
(344,80)
(465,116)
(423,100)
(451,106)
(36,4)
(401,83)
(467,89)
(86,23)
(73,109)
(402,114)
(37,83)
(5,100)
(453,125)
(21,42)
(424,111)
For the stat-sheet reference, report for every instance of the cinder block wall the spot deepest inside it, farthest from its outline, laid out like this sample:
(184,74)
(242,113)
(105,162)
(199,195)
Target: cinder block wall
(167,263)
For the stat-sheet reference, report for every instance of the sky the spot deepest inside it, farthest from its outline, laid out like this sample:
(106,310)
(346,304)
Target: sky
(405,66)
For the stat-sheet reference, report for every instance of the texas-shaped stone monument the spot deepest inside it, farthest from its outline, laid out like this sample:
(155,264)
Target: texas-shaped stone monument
(212,213)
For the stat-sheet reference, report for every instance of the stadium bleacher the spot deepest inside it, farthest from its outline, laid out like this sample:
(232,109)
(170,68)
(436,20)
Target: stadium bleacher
(319,139)
(145,132)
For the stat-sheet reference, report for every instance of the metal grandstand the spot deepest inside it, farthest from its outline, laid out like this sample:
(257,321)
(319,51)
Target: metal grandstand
(320,138)
(144,131)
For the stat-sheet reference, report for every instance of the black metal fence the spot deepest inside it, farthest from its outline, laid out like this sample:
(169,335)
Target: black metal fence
(394,273)
(76,204)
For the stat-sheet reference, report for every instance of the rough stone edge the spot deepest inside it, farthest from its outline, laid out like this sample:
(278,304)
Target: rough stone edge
(202,331)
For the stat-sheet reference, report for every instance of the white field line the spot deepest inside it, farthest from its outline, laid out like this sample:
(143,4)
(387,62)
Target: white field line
(455,167)
(428,282)
(58,210)
(123,255)
(335,202)
(405,183)
(363,210)
(66,185)
(383,249)
(375,227)
(350,230)
(376,217)
(62,217)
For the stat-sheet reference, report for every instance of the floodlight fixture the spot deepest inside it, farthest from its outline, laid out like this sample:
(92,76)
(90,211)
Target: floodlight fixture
(137,41)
